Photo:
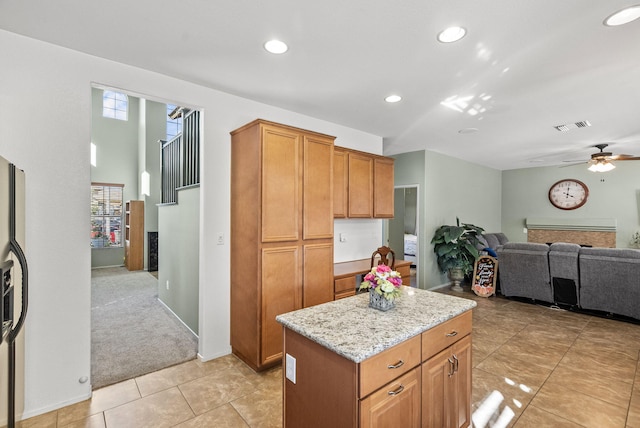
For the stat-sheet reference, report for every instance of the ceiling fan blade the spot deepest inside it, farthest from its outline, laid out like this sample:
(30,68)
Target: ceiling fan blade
(623,157)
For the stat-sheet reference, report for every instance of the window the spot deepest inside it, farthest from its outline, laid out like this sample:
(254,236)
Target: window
(174,126)
(115,105)
(106,215)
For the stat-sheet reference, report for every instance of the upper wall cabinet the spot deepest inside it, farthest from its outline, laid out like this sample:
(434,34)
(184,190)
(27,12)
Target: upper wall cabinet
(362,185)
(383,188)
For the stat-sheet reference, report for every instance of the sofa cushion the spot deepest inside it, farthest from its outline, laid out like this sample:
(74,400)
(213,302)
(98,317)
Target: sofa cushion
(524,270)
(610,280)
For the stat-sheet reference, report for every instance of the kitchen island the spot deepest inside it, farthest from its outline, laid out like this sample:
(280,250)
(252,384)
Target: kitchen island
(348,365)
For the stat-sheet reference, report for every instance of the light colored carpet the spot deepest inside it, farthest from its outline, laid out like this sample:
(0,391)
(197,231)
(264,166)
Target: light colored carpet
(132,333)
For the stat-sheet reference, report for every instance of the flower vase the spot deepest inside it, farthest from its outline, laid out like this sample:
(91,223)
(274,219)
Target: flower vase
(378,301)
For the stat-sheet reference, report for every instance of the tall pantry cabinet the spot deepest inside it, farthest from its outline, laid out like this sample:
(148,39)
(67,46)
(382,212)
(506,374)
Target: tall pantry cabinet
(281,232)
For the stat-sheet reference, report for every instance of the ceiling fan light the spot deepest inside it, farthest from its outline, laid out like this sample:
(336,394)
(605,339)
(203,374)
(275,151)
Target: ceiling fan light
(601,166)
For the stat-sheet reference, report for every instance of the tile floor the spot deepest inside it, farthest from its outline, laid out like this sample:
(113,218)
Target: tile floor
(551,368)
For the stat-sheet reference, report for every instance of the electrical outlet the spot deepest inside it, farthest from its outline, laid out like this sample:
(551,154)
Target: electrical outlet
(290,368)
(167,284)
(343,237)
(220,238)
(524,230)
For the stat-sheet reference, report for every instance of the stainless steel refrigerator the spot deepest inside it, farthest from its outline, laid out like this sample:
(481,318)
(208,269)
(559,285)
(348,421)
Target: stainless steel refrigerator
(14,292)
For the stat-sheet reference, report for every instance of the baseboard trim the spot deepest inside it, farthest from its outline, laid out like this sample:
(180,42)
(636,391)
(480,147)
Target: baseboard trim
(178,318)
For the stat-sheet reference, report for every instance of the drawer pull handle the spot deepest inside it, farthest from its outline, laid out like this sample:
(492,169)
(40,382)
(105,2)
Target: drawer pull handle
(396,365)
(453,333)
(396,391)
(451,367)
(455,364)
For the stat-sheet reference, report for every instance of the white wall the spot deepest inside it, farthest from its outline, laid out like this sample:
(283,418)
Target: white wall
(45,115)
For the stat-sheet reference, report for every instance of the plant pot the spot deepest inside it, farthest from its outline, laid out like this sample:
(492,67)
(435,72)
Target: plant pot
(456,275)
(379,302)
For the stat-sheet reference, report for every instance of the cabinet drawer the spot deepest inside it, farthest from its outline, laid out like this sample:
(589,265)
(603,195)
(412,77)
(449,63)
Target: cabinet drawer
(345,284)
(445,334)
(405,273)
(388,365)
(345,294)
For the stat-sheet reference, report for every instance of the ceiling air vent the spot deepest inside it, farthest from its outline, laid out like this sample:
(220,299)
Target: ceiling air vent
(570,126)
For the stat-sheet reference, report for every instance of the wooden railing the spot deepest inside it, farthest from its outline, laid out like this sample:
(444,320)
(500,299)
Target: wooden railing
(180,158)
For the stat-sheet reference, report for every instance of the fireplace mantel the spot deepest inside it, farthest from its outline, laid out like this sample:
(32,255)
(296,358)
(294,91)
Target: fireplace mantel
(595,232)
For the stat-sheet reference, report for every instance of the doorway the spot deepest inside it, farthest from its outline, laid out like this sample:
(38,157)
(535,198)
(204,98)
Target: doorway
(127,147)
(403,228)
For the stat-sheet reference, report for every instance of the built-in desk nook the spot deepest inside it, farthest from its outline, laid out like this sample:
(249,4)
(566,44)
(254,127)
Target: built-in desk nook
(345,275)
(348,365)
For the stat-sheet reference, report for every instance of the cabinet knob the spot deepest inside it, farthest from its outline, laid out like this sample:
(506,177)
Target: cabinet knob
(396,391)
(396,365)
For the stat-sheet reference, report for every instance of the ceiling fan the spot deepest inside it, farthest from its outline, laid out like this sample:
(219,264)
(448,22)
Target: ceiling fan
(601,161)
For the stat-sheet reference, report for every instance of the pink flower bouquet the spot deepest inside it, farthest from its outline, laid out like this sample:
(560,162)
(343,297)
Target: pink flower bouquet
(384,281)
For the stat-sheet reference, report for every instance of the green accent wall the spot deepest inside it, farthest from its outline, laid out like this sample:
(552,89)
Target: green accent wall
(178,255)
(449,188)
(612,195)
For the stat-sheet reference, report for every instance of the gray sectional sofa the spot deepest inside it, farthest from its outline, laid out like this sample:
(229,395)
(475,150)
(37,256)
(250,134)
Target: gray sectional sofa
(599,279)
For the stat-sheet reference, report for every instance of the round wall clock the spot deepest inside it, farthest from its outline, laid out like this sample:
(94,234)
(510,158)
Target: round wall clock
(568,194)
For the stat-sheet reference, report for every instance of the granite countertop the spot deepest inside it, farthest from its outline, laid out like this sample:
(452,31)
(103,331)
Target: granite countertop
(349,327)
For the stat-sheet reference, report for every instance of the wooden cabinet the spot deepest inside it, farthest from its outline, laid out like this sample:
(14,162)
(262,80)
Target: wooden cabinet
(340,183)
(363,185)
(360,185)
(382,391)
(281,232)
(134,235)
(446,376)
(424,381)
(383,187)
(394,405)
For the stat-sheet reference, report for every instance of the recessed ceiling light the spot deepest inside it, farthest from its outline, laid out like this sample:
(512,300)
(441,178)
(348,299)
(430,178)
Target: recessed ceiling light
(623,16)
(393,98)
(451,34)
(276,47)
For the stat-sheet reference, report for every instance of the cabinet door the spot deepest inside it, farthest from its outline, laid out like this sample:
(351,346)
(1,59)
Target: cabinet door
(383,188)
(446,387)
(318,274)
(462,382)
(280,293)
(340,181)
(317,210)
(280,185)
(436,374)
(396,404)
(360,186)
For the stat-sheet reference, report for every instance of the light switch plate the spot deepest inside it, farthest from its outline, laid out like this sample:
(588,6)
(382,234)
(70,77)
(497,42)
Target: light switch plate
(290,368)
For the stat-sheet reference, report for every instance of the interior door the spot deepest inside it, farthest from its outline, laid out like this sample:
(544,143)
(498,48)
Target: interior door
(396,224)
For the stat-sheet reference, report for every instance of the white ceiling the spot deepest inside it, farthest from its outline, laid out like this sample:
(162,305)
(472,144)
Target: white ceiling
(542,63)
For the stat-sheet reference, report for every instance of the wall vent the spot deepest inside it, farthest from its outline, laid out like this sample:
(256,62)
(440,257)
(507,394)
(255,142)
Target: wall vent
(570,126)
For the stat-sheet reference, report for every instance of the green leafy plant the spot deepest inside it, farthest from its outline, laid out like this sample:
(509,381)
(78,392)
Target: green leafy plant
(456,246)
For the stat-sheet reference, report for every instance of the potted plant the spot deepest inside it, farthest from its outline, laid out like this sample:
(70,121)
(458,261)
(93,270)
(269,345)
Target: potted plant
(456,248)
